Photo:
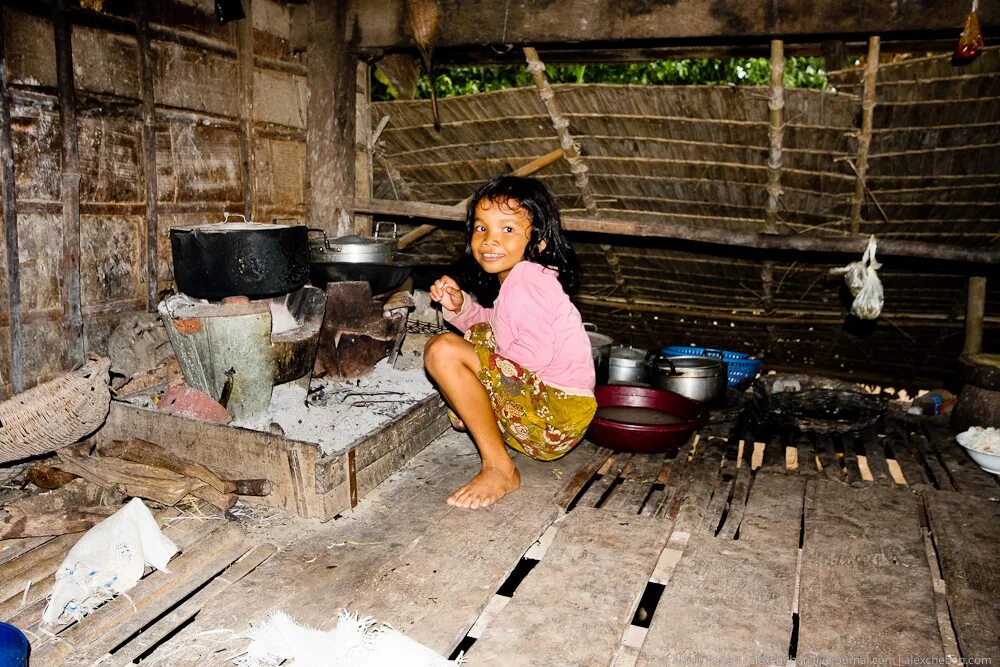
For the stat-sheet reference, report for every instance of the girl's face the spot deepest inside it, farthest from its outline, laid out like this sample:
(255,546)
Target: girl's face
(500,234)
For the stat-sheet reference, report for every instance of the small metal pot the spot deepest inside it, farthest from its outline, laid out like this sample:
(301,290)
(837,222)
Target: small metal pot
(699,378)
(628,365)
(600,351)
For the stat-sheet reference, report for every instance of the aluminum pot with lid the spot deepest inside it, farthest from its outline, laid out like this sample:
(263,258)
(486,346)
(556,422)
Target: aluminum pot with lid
(699,378)
(628,365)
(239,258)
(354,249)
(371,259)
(600,351)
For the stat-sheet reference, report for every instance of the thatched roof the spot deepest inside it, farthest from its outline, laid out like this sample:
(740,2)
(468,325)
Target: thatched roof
(700,155)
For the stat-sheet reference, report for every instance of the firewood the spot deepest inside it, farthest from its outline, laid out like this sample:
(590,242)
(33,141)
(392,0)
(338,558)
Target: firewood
(59,522)
(142,451)
(134,479)
(47,477)
(253,487)
(221,500)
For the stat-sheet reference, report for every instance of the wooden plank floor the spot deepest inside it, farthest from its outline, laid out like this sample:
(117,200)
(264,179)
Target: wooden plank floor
(744,548)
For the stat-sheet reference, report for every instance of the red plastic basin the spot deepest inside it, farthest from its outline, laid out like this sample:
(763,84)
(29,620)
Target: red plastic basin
(643,438)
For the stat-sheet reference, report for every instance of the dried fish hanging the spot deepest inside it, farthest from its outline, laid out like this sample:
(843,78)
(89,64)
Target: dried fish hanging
(970,43)
(423,19)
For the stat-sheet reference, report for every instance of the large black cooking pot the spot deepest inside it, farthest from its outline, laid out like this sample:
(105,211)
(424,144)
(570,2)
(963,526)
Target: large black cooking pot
(239,259)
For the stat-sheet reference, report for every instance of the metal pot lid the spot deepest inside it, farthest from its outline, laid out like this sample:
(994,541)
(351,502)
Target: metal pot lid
(241,224)
(599,339)
(690,366)
(626,355)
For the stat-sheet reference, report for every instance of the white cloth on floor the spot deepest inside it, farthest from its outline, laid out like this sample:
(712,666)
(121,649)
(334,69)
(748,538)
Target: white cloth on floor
(355,642)
(109,559)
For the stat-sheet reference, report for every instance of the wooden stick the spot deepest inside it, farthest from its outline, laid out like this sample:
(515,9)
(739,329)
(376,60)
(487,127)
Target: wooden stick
(685,231)
(865,140)
(561,126)
(974,309)
(525,170)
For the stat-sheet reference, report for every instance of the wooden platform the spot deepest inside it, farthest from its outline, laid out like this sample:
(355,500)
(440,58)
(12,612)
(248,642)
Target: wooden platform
(305,481)
(727,552)
(733,550)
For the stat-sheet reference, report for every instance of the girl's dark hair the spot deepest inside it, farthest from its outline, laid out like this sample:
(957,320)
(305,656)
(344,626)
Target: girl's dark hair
(534,199)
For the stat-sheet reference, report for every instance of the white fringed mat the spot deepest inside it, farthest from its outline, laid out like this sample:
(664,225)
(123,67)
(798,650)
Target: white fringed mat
(355,642)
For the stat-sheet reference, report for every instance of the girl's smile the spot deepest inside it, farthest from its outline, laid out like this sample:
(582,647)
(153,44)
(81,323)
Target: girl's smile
(500,236)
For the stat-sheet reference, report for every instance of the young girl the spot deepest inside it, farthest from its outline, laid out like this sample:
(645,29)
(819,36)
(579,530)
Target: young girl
(523,375)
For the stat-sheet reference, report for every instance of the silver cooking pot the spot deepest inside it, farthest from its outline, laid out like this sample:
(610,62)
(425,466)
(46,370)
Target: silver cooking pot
(699,378)
(372,259)
(600,351)
(628,365)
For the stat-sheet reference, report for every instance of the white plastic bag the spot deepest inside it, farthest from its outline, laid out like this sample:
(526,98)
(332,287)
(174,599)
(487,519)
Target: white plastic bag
(109,559)
(864,283)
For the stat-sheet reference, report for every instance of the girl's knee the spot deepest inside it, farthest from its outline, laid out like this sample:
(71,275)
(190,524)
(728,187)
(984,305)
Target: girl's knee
(437,348)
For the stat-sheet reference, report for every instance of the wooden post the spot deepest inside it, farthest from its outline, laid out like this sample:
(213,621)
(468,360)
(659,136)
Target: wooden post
(776,136)
(363,148)
(9,204)
(561,125)
(865,140)
(974,310)
(244,46)
(834,55)
(148,152)
(775,133)
(332,80)
(69,267)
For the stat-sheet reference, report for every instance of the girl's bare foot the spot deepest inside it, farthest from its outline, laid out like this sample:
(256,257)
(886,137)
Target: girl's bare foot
(489,486)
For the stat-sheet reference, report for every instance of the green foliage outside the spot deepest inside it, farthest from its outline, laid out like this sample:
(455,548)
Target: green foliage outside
(453,81)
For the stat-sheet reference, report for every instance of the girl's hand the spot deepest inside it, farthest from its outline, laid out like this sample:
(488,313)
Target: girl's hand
(446,291)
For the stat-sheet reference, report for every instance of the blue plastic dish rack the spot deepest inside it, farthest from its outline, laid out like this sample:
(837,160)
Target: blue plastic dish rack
(740,367)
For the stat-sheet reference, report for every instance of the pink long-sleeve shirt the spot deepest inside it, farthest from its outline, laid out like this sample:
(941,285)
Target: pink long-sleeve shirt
(536,325)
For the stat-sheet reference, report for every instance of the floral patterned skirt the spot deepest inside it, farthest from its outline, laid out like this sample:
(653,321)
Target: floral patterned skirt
(535,419)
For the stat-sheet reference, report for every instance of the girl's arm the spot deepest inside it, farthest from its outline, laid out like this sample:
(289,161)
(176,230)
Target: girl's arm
(470,313)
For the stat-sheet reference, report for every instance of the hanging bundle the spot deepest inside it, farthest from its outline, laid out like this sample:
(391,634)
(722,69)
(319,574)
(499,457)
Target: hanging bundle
(864,283)
(970,43)
(423,19)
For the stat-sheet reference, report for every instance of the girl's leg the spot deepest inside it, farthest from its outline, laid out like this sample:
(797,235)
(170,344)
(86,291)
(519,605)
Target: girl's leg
(454,364)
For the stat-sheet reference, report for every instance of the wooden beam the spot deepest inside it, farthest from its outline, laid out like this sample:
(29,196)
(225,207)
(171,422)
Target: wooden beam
(9,204)
(726,314)
(245,63)
(684,231)
(865,139)
(363,148)
(146,87)
(69,266)
(332,81)
(974,310)
(382,25)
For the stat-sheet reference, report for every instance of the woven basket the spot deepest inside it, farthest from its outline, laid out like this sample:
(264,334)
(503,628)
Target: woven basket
(825,410)
(55,414)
